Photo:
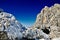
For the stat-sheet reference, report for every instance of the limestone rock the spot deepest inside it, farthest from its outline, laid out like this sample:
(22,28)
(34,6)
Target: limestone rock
(49,18)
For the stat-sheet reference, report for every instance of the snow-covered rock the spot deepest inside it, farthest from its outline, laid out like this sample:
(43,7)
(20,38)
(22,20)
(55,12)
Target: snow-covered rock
(9,24)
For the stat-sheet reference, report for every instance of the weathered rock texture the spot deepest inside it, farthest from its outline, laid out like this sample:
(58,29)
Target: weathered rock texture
(3,35)
(49,18)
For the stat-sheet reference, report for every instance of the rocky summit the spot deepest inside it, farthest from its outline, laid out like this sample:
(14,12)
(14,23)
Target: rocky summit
(48,21)
(47,25)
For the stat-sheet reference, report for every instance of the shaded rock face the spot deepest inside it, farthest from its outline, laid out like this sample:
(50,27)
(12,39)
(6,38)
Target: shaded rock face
(49,21)
(3,35)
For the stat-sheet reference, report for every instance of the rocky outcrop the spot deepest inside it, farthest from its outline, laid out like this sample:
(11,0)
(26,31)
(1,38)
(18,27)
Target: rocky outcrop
(49,20)
(47,25)
(3,35)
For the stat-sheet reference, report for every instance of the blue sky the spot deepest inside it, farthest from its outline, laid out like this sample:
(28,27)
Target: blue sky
(25,11)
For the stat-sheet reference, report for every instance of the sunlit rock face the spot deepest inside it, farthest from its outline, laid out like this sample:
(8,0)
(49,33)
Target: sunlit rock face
(48,21)
(11,26)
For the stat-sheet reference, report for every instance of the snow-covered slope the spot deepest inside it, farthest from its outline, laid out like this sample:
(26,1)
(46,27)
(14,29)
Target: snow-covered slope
(9,24)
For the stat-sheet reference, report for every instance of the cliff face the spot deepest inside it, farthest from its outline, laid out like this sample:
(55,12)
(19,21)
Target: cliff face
(49,18)
(47,25)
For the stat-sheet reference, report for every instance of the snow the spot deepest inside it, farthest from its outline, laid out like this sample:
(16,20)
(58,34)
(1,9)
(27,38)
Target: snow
(11,25)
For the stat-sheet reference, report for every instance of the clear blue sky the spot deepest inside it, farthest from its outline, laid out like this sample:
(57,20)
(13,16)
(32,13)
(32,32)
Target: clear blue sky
(25,11)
